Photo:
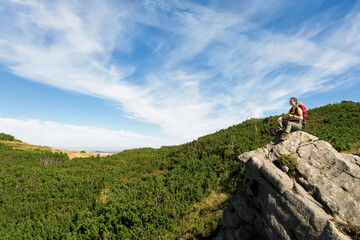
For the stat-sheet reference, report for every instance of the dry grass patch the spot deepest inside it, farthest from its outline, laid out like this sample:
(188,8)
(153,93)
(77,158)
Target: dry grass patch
(71,153)
(104,196)
(204,219)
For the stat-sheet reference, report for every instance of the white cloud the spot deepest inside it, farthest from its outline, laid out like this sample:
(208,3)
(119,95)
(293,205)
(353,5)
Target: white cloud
(215,68)
(347,37)
(65,136)
(266,69)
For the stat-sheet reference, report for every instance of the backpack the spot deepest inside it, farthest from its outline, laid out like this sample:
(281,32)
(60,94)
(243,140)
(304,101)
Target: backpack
(304,110)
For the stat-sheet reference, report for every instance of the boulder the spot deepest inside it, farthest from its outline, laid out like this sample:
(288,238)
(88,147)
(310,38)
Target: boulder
(316,203)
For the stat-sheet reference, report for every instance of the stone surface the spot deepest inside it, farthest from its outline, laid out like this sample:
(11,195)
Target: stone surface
(325,190)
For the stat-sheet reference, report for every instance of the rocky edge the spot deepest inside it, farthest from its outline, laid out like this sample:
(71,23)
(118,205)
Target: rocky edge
(319,202)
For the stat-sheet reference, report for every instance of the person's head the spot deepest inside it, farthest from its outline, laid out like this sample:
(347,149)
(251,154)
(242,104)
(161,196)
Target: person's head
(293,101)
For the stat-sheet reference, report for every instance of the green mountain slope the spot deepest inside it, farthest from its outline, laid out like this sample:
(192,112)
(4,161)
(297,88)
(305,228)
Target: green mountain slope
(167,193)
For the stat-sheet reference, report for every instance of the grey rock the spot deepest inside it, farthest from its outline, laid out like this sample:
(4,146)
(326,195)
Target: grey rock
(274,206)
(285,168)
(245,232)
(243,208)
(230,218)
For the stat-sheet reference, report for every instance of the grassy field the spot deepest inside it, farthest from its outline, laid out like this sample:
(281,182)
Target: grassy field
(71,153)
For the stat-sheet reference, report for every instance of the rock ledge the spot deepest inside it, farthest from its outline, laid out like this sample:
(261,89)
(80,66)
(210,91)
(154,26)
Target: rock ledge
(324,194)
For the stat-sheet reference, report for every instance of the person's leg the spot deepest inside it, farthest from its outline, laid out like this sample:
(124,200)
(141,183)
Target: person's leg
(292,126)
(281,123)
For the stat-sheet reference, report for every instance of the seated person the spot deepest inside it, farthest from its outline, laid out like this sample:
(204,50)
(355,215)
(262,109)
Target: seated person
(292,120)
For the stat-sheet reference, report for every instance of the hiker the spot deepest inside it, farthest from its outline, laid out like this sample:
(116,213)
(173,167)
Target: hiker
(292,120)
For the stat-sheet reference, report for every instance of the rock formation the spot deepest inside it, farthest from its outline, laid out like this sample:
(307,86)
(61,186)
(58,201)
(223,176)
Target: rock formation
(320,201)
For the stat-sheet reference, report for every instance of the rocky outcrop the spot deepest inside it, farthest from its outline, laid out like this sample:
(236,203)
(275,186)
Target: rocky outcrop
(318,202)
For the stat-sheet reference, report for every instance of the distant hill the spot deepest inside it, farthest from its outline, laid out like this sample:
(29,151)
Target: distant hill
(71,153)
(167,193)
(8,137)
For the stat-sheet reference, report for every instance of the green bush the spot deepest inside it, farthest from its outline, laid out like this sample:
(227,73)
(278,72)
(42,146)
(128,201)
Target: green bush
(143,193)
(6,137)
(337,124)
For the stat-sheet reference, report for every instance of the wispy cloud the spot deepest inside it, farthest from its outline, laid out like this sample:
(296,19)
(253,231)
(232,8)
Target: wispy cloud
(346,37)
(213,67)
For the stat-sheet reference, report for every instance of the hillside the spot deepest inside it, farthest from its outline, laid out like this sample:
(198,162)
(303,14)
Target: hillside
(167,193)
(71,153)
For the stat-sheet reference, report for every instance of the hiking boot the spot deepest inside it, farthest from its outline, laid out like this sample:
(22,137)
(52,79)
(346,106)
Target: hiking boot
(284,136)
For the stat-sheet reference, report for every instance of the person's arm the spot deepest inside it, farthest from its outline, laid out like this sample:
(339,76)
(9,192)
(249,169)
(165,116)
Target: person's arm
(293,116)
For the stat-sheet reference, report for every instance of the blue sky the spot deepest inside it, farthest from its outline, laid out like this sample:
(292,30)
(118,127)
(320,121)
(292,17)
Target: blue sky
(112,75)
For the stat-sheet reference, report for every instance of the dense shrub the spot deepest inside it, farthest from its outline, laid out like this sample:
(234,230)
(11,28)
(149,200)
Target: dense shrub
(336,123)
(142,193)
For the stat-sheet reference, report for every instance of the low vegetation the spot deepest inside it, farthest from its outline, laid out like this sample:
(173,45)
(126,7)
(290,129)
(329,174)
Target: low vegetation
(288,161)
(175,192)
(337,124)
(7,137)
(71,153)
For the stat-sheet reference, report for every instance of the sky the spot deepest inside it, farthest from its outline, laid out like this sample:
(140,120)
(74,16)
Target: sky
(114,75)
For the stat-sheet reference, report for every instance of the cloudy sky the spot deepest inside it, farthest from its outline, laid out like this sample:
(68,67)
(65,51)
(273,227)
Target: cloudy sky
(112,75)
